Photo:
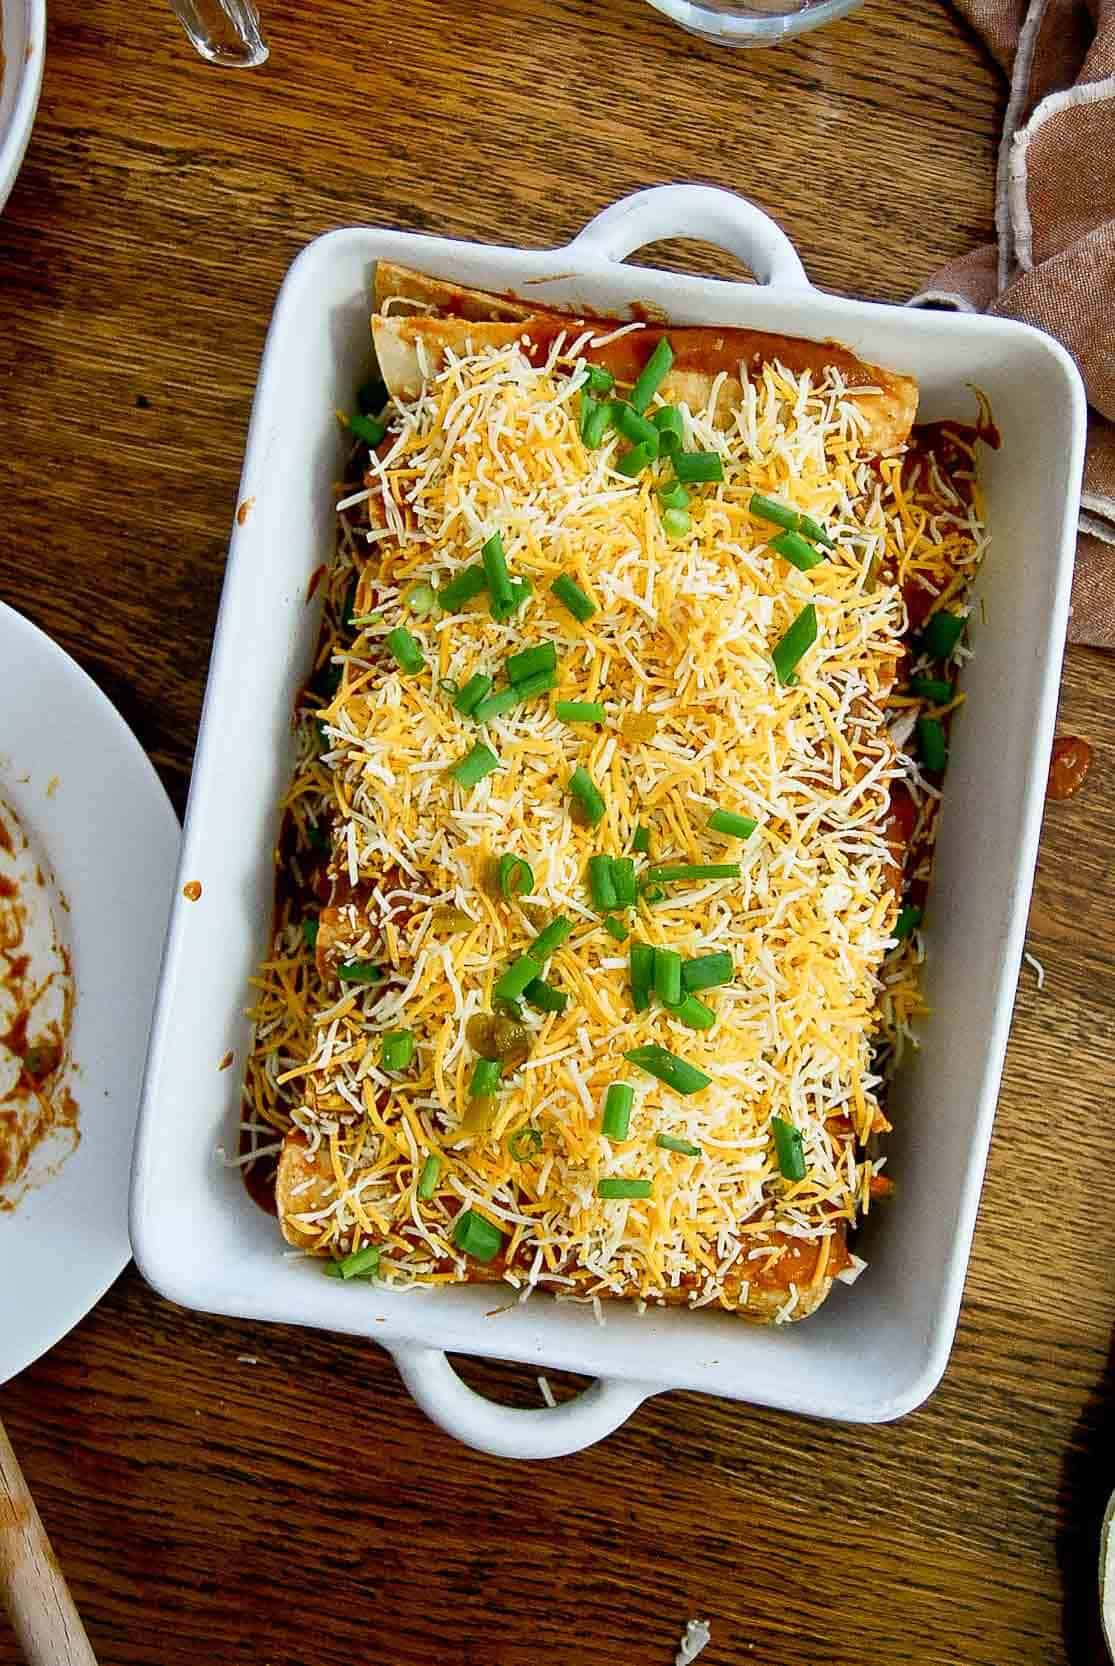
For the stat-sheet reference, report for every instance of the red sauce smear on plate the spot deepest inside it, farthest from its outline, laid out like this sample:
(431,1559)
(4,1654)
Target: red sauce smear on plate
(1068,766)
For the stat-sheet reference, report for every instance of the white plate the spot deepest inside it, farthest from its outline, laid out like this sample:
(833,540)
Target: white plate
(24,44)
(91,804)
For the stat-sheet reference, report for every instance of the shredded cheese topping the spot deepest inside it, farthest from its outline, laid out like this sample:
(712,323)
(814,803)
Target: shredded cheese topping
(681,643)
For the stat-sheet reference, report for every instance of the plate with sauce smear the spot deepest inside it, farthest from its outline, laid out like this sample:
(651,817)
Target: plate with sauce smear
(88,848)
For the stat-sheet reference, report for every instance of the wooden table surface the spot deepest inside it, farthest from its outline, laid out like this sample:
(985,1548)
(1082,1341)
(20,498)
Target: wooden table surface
(199,1477)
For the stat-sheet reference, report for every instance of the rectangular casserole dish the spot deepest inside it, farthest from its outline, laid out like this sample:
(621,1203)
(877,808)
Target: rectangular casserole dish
(873,1352)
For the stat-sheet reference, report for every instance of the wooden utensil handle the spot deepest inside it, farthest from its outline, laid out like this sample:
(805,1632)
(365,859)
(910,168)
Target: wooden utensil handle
(48,1627)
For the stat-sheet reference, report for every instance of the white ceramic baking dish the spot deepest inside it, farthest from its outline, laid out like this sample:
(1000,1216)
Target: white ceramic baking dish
(873,1351)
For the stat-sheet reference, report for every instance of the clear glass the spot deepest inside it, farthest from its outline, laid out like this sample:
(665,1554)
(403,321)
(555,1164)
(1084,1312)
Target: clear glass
(225,32)
(752,22)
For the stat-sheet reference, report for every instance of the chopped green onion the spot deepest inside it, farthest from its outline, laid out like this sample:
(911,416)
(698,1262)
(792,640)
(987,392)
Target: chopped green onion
(673,496)
(617,1111)
(731,825)
(599,379)
(502,611)
(781,514)
(371,396)
(369,429)
(516,877)
(469,582)
(934,689)
(549,939)
(476,689)
(671,1142)
(677,1073)
(589,408)
(616,928)
(508,698)
(579,711)
(427,1180)
(543,997)
(518,975)
(656,369)
(694,466)
(640,962)
(623,878)
(637,429)
(788,1148)
(595,425)
(524,1143)
(623,1188)
(670,872)
(473,767)
(788,650)
(909,917)
(421,599)
(633,462)
(485,1078)
(694,1013)
(449,686)
(310,930)
(667,976)
(942,632)
(651,893)
(797,551)
(677,522)
(528,663)
(316,837)
(362,1263)
(585,792)
(641,842)
(707,971)
(475,1234)
(398,1049)
(671,431)
(600,883)
(405,651)
(359,971)
(932,743)
(495,570)
(569,593)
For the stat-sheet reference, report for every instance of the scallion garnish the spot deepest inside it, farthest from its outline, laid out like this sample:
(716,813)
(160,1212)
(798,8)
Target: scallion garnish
(617,1111)
(579,711)
(405,651)
(639,457)
(506,699)
(637,429)
(310,930)
(598,380)
(673,496)
(677,1073)
(359,971)
(694,1013)
(543,997)
(362,1263)
(523,1144)
(473,767)
(670,872)
(654,372)
(909,918)
(528,663)
(476,689)
(667,976)
(676,522)
(421,599)
(623,1188)
(942,632)
(732,825)
(589,408)
(623,878)
(398,1049)
(932,745)
(707,971)
(586,796)
(692,467)
(798,551)
(518,975)
(595,424)
(781,514)
(469,582)
(569,593)
(485,1079)
(515,876)
(671,431)
(671,1142)
(600,883)
(616,928)
(641,842)
(789,649)
(550,938)
(495,570)
(427,1180)
(640,961)
(934,689)
(369,429)
(502,611)
(788,1149)
(475,1234)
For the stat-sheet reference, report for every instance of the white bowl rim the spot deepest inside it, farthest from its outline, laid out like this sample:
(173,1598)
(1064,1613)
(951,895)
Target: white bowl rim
(14,139)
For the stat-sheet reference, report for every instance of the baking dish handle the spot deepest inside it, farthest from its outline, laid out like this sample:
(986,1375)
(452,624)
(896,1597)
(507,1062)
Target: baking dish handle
(719,217)
(510,1431)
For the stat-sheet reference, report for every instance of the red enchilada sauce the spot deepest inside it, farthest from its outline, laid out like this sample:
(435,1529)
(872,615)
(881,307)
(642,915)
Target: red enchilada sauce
(1068,766)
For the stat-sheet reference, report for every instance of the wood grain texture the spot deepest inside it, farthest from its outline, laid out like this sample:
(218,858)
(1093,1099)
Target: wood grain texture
(219,1491)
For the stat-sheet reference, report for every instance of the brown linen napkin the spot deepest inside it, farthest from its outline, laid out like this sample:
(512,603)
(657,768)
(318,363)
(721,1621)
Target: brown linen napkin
(1054,262)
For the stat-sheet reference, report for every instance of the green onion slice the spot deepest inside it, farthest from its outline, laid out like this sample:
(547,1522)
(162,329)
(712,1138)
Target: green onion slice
(587,796)
(398,1049)
(518,975)
(569,593)
(788,1149)
(579,711)
(516,877)
(640,961)
(693,1012)
(599,380)
(692,467)
(641,842)
(669,872)
(633,462)
(359,971)
(405,650)
(600,883)
(932,744)
(934,689)
(485,1079)
(731,825)
(673,496)
(475,1234)
(617,1111)
(781,514)
(476,689)
(362,1263)
(623,878)
(502,611)
(589,408)
(677,1073)
(310,930)
(667,976)
(654,372)
(797,551)
(671,1142)
(421,599)
(909,918)
(623,1188)
(595,424)
(789,649)
(542,657)
(427,1180)
(473,767)
(677,522)
(707,971)
(543,997)
(671,431)
(637,429)
(942,632)
(616,928)
(495,570)
(369,429)
(524,1143)
(550,938)
(467,584)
